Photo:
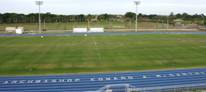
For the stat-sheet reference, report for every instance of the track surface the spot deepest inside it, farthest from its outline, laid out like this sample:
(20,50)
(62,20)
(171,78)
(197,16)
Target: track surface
(105,33)
(99,82)
(95,82)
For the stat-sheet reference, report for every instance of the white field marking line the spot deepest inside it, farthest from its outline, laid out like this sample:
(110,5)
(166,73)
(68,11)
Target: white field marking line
(96,49)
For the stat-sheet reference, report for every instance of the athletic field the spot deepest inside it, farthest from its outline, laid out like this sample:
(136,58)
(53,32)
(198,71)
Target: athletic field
(77,54)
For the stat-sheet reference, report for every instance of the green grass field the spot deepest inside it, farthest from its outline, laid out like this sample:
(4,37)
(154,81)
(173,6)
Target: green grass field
(77,54)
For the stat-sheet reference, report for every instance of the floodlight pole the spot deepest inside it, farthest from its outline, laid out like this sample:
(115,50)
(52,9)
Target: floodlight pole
(168,22)
(136,22)
(203,17)
(39,3)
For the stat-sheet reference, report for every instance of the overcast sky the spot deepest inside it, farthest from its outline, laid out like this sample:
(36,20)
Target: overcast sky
(67,7)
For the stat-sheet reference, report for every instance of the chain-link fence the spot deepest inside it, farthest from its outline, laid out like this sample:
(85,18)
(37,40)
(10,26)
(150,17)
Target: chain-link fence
(176,88)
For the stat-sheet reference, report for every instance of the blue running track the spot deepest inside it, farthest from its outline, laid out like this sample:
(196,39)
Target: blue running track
(101,82)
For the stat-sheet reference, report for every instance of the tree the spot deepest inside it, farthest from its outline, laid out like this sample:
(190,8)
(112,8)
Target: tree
(130,16)
(1,18)
(186,16)
(178,16)
(104,17)
(81,18)
(171,16)
(204,21)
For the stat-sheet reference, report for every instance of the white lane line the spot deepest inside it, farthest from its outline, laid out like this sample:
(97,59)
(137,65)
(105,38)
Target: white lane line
(97,49)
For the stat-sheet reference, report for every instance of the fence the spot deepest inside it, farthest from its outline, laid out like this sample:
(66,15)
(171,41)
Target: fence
(175,88)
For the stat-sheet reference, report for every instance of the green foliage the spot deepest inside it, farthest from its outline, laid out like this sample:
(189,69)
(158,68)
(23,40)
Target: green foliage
(204,21)
(130,15)
(53,18)
(105,17)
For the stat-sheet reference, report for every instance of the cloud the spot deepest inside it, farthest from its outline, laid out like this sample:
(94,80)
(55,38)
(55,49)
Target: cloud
(104,6)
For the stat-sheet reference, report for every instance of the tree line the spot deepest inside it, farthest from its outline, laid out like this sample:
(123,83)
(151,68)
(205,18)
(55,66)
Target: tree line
(196,18)
(129,16)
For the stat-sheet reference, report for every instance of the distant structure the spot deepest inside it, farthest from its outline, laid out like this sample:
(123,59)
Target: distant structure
(10,29)
(178,23)
(17,30)
(136,21)
(39,3)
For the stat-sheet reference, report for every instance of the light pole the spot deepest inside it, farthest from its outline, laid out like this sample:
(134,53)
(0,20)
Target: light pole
(167,22)
(39,3)
(203,17)
(136,25)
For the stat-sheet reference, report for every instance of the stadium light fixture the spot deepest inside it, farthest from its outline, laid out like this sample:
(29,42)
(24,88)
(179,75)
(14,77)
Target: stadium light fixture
(136,25)
(39,3)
